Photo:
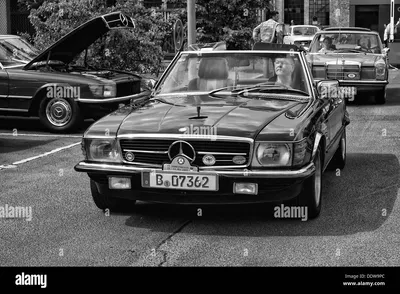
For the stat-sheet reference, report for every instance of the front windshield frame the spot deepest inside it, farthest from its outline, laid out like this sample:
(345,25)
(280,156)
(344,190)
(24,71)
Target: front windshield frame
(356,41)
(163,86)
(15,52)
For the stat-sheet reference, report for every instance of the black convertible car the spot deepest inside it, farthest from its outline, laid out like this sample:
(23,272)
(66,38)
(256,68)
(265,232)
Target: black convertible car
(221,127)
(52,86)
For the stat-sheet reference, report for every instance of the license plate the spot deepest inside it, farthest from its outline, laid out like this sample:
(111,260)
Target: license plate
(180,181)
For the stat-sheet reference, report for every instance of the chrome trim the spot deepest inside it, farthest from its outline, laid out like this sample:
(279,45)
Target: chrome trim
(14,109)
(363,82)
(184,136)
(221,153)
(111,100)
(19,97)
(144,151)
(244,174)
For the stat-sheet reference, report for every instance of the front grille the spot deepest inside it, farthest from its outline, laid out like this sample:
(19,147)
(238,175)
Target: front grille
(128,88)
(343,72)
(155,152)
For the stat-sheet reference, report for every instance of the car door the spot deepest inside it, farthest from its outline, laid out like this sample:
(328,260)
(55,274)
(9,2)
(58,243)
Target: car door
(334,111)
(4,81)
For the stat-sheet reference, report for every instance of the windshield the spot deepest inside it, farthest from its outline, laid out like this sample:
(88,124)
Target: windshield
(205,72)
(350,42)
(16,51)
(304,31)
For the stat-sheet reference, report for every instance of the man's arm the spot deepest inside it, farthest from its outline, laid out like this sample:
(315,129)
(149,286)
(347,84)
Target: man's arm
(256,31)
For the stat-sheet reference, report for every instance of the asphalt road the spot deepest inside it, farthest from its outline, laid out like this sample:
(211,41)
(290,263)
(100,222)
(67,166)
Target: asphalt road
(359,224)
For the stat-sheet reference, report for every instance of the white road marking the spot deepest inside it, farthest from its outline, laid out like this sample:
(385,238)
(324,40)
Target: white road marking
(7,166)
(40,135)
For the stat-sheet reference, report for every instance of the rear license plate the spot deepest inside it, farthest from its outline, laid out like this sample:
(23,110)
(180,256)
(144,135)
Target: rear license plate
(180,181)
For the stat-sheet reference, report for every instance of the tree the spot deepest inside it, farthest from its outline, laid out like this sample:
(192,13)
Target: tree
(231,21)
(136,50)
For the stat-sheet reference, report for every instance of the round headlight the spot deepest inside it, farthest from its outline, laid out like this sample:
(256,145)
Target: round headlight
(273,155)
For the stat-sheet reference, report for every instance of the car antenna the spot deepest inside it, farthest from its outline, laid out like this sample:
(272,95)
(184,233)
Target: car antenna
(48,59)
(85,60)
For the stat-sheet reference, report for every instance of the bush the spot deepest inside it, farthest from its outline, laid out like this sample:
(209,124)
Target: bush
(138,50)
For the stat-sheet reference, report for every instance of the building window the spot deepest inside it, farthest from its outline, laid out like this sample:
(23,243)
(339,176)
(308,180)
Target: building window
(294,10)
(320,10)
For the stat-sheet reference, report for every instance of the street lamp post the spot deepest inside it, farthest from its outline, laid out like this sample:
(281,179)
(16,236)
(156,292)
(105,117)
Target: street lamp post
(191,14)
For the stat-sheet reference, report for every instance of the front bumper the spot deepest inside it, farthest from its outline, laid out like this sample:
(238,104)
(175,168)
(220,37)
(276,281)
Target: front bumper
(130,98)
(273,185)
(362,85)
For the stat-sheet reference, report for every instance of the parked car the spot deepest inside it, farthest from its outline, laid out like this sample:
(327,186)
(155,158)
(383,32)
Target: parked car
(355,57)
(300,35)
(52,86)
(220,128)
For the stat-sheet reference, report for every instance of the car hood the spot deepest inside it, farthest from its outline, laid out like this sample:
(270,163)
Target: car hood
(364,59)
(73,43)
(301,38)
(229,117)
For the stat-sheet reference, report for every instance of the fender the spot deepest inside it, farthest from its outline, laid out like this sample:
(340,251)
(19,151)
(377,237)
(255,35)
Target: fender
(318,137)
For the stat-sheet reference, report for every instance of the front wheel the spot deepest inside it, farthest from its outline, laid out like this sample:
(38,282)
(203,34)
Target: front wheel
(59,114)
(339,159)
(311,195)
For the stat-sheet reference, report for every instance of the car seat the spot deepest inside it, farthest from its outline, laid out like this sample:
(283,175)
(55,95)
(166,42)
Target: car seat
(213,74)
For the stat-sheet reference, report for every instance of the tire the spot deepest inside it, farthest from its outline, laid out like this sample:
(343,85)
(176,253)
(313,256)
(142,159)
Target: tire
(339,158)
(380,96)
(59,114)
(311,194)
(105,202)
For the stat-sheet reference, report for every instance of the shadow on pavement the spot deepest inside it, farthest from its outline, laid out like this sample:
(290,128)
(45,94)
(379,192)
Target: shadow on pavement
(359,200)
(28,124)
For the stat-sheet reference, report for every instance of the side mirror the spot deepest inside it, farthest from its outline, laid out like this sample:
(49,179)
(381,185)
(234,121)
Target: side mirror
(148,84)
(328,89)
(305,48)
(386,50)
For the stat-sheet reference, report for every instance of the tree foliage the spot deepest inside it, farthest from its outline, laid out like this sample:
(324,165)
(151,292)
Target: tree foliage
(231,21)
(138,50)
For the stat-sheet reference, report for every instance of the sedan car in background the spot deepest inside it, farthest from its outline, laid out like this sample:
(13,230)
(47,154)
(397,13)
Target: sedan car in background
(355,57)
(52,86)
(300,35)
(221,127)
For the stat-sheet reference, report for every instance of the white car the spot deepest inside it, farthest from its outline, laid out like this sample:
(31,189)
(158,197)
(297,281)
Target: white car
(300,35)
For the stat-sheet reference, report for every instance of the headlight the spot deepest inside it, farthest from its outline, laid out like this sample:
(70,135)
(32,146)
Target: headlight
(105,150)
(269,154)
(103,90)
(97,90)
(380,70)
(110,91)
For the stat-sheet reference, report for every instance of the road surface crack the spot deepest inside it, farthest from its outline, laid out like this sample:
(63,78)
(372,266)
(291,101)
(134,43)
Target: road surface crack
(165,253)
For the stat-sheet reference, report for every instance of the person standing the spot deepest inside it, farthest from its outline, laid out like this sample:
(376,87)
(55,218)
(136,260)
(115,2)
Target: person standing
(386,33)
(267,30)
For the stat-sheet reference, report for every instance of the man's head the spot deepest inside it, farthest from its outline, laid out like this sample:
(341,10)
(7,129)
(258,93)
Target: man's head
(275,15)
(327,42)
(284,66)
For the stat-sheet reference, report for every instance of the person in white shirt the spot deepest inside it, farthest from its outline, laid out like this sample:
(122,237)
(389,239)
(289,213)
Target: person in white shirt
(386,33)
(267,31)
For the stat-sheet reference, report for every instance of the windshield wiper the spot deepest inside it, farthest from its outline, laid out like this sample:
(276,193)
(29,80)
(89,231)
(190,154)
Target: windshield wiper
(273,88)
(235,91)
(350,50)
